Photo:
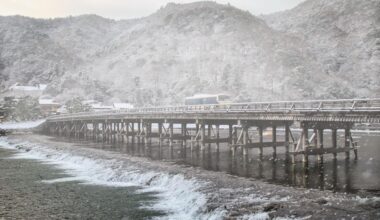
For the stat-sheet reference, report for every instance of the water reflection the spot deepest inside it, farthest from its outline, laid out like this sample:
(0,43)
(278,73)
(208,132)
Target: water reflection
(337,175)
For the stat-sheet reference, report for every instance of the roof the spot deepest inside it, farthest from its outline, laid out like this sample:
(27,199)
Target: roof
(122,105)
(40,87)
(90,102)
(203,96)
(99,106)
(47,102)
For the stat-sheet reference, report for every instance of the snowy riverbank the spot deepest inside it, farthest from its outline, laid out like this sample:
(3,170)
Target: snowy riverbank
(21,125)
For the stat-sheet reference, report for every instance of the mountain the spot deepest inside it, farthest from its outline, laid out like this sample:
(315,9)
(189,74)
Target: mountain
(201,47)
(343,34)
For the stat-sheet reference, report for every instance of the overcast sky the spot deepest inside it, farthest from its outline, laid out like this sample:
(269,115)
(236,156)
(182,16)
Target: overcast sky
(123,9)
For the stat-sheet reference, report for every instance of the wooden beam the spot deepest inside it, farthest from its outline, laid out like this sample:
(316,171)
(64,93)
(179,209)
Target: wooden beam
(316,151)
(261,145)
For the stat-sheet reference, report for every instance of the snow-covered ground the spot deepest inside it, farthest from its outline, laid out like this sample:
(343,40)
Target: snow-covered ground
(21,125)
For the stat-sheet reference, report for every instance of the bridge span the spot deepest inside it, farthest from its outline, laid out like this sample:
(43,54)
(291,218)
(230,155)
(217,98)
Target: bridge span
(244,125)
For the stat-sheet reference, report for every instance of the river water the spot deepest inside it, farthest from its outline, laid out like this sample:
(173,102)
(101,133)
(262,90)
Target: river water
(352,176)
(49,176)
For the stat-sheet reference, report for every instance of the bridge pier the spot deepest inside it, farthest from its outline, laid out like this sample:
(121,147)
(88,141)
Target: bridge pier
(245,139)
(184,136)
(319,142)
(261,140)
(274,141)
(171,133)
(217,138)
(315,145)
(287,143)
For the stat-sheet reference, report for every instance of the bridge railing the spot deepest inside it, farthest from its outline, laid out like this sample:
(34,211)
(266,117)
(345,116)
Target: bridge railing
(343,105)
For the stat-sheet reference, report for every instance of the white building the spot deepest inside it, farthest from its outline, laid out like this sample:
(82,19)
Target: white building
(18,90)
(122,105)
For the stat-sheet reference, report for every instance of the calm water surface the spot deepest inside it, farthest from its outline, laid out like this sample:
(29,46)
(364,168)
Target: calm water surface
(342,175)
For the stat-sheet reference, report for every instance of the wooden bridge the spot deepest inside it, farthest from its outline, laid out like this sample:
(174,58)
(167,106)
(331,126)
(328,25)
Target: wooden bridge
(243,125)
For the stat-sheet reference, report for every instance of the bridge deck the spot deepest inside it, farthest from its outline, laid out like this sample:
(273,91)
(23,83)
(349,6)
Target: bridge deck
(315,116)
(352,110)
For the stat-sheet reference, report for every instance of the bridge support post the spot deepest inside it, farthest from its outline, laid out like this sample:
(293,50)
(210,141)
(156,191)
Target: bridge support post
(58,132)
(287,134)
(171,133)
(82,131)
(93,130)
(70,127)
(118,131)
(315,137)
(104,132)
(230,133)
(160,134)
(203,134)
(110,131)
(85,130)
(107,131)
(334,141)
(75,129)
(355,150)
(142,132)
(133,133)
(217,138)
(234,140)
(113,132)
(59,129)
(160,137)
(261,140)
(78,126)
(274,141)
(128,131)
(150,134)
(138,132)
(96,131)
(184,136)
(67,129)
(320,143)
(209,128)
(64,129)
(347,137)
(305,143)
(122,132)
(99,131)
(147,136)
(245,139)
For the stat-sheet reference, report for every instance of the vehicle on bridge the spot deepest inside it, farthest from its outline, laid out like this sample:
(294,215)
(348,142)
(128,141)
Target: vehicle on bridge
(208,99)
